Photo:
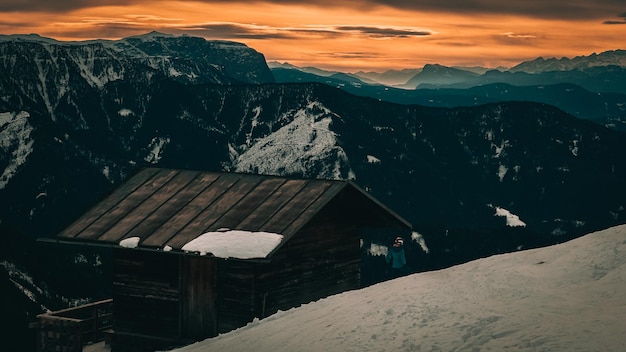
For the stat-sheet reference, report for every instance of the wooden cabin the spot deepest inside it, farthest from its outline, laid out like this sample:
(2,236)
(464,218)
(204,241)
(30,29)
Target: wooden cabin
(262,244)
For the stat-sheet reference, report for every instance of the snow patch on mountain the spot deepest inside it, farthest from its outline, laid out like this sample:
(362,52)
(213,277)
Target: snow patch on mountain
(502,170)
(24,282)
(97,64)
(512,220)
(253,123)
(174,71)
(419,239)
(15,141)
(372,159)
(573,148)
(499,149)
(156,147)
(304,147)
(125,112)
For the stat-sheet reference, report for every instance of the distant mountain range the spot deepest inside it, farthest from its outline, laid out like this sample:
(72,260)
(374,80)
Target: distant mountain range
(76,119)
(588,87)
(441,75)
(604,59)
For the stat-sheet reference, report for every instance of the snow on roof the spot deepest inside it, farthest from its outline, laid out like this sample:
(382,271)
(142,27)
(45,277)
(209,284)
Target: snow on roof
(235,244)
(131,242)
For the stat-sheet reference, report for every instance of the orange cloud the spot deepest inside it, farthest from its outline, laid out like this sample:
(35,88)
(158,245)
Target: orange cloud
(377,37)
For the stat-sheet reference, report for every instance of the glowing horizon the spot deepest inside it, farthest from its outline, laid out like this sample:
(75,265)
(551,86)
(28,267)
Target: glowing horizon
(370,36)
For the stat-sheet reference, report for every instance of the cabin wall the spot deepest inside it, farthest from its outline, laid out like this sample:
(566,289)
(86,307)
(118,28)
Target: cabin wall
(321,260)
(146,296)
(199,297)
(170,299)
(236,294)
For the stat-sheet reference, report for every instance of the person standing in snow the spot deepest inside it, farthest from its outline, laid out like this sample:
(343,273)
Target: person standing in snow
(396,258)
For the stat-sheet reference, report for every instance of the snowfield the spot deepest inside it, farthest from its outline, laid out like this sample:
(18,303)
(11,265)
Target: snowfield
(569,297)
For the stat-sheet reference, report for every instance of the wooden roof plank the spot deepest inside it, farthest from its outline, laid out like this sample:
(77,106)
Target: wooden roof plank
(208,217)
(287,214)
(249,203)
(314,207)
(191,211)
(93,214)
(132,200)
(190,185)
(173,207)
(273,204)
(140,214)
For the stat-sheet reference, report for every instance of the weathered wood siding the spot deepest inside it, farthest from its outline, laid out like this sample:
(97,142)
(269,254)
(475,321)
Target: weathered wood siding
(320,261)
(199,298)
(236,294)
(146,292)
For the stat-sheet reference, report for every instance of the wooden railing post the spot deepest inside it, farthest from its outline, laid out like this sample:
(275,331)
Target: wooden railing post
(69,329)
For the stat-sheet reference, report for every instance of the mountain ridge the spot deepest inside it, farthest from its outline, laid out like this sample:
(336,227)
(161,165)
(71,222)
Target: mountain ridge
(163,139)
(400,77)
(591,89)
(606,58)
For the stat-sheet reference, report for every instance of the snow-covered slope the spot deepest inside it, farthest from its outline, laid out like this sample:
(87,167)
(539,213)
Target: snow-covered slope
(301,147)
(15,141)
(568,297)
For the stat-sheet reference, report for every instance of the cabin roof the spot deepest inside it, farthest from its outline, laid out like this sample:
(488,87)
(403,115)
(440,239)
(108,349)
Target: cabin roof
(168,208)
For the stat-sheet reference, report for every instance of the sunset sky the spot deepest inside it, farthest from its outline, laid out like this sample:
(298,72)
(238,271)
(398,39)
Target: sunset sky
(346,35)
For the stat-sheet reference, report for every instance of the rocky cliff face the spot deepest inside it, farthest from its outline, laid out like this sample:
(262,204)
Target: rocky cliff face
(44,70)
(195,60)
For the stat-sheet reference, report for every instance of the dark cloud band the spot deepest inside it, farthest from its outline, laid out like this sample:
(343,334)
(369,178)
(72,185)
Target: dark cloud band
(384,32)
(249,31)
(57,6)
(623,21)
(563,9)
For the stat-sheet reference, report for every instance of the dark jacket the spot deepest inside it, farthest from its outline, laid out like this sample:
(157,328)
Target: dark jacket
(396,257)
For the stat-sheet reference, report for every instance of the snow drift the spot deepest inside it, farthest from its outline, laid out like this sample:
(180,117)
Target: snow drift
(567,297)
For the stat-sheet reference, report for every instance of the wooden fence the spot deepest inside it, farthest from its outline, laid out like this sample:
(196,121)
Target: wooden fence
(68,330)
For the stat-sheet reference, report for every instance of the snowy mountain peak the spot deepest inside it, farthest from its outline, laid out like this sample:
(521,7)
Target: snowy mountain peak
(434,74)
(26,38)
(302,146)
(151,36)
(540,64)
